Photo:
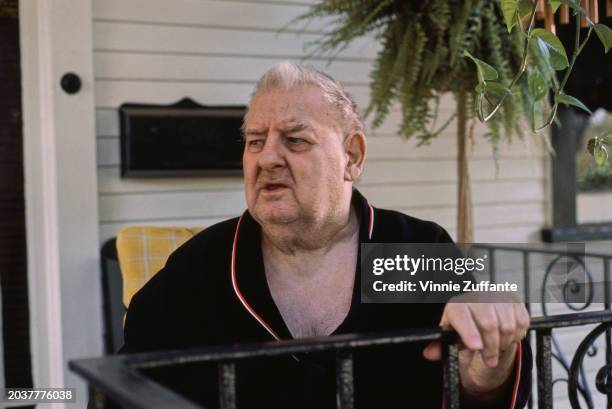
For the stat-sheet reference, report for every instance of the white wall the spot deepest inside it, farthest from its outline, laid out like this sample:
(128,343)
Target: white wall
(158,51)
(594,207)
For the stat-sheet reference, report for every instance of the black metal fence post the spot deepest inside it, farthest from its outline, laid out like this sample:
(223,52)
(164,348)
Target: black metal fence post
(527,286)
(607,305)
(544,368)
(450,371)
(345,389)
(227,385)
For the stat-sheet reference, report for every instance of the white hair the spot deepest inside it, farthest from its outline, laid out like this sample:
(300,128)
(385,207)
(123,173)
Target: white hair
(287,75)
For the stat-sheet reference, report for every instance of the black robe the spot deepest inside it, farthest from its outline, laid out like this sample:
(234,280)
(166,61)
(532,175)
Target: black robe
(198,299)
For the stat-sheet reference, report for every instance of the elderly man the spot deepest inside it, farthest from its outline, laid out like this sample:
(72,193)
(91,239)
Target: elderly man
(288,268)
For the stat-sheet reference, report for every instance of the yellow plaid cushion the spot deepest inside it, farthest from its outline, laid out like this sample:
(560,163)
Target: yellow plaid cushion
(143,251)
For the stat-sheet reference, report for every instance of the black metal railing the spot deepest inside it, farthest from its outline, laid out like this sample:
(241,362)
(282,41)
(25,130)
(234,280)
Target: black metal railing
(575,374)
(121,377)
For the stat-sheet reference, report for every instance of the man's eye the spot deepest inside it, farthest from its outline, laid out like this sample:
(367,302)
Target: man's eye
(255,144)
(297,144)
(295,141)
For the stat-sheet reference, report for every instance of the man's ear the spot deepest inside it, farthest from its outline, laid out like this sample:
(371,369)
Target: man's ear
(355,147)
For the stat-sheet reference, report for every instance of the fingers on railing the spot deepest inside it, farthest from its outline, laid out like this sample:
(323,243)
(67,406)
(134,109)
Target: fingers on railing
(227,385)
(544,368)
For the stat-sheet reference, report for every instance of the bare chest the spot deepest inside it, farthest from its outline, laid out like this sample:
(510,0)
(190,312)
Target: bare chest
(316,307)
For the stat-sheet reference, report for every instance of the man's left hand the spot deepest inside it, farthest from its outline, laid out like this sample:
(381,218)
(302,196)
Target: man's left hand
(489,334)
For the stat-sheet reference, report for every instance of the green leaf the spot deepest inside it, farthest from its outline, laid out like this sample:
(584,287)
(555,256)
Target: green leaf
(485,71)
(569,100)
(524,8)
(492,87)
(551,46)
(605,35)
(554,4)
(509,8)
(601,155)
(537,85)
(496,90)
(607,139)
(572,3)
(591,146)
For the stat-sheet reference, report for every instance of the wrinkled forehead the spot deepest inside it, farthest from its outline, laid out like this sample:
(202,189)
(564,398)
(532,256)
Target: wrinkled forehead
(304,103)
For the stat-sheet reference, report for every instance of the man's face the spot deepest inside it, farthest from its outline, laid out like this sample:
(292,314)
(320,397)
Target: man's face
(294,160)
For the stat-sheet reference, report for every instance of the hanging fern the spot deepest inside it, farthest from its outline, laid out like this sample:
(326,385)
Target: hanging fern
(423,43)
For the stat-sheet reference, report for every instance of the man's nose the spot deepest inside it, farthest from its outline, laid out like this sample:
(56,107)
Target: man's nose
(272,156)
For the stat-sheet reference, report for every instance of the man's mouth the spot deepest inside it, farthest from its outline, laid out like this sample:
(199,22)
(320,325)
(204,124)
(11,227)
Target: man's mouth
(273,187)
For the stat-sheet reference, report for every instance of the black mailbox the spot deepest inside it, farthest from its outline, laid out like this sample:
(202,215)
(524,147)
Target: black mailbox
(182,139)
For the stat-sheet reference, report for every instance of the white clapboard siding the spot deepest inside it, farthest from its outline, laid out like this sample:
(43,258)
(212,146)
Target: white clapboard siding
(268,17)
(445,146)
(113,93)
(132,37)
(158,67)
(516,233)
(135,206)
(424,171)
(489,215)
(157,51)
(109,182)
(394,196)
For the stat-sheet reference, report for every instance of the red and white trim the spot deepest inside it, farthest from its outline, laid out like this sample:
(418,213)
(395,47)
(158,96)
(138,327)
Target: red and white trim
(517,377)
(239,293)
(371,222)
(243,300)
